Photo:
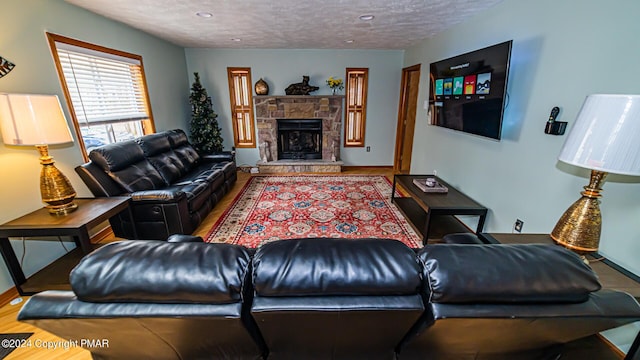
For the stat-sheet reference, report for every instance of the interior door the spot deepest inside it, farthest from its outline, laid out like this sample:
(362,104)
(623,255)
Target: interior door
(406,118)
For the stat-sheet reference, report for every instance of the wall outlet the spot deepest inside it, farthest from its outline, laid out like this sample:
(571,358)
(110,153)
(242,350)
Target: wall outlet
(517,227)
(368,148)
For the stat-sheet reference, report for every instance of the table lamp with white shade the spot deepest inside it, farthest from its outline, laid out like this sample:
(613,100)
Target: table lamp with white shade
(38,120)
(605,138)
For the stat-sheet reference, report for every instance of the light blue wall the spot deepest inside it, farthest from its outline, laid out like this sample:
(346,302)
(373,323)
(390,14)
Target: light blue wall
(23,41)
(279,68)
(562,52)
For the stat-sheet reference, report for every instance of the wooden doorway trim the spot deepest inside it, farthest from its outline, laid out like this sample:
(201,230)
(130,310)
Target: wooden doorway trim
(406,118)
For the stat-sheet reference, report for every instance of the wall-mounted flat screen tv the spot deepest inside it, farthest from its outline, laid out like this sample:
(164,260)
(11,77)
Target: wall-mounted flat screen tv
(468,92)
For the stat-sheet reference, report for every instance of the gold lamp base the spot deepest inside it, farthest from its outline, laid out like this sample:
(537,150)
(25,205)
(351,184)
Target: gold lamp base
(579,227)
(55,188)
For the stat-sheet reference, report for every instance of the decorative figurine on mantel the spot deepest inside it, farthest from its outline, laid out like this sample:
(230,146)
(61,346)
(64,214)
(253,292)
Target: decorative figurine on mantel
(261,87)
(302,88)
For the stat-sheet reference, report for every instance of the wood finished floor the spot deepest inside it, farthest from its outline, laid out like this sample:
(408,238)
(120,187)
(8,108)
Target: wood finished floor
(8,313)
(591,347)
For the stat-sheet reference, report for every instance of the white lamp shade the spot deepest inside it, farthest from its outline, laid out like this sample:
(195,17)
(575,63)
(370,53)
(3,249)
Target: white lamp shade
(606,135)
(33,120)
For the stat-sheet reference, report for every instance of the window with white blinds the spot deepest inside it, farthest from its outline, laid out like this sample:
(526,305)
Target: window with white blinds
(105,89)
(241,107)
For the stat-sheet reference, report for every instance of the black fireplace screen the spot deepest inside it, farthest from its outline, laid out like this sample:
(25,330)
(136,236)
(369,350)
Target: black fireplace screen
(299,139)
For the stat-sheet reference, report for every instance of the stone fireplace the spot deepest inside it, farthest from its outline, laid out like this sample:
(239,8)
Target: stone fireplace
(311,133)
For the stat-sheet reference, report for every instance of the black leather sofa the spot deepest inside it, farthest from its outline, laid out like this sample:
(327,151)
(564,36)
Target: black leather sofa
(329,299)
(172,187)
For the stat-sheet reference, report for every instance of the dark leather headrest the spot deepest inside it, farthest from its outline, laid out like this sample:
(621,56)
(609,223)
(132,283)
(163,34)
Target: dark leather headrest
(310,267)
(177,138)
(161,272)
(526,273)
(117,156)
(153,144)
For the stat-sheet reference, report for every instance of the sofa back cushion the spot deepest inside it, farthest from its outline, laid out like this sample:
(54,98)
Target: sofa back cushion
(325,267)
(183,149)
(161,272)
(525,273)
(157,149)
(126,164)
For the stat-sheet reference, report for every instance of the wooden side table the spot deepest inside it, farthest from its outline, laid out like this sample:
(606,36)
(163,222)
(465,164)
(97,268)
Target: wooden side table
(422,208)
(41,224)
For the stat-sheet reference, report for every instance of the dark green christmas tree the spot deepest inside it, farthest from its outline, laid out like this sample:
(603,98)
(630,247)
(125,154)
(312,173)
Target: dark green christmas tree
(205,133)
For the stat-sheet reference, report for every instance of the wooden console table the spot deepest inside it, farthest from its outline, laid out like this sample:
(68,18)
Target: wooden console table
(422,208)
(42,225)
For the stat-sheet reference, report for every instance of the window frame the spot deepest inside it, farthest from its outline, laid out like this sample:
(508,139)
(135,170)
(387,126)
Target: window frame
(233,94)
(349,108)
(148,125)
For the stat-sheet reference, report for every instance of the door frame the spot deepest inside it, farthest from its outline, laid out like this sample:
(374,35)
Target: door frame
(402,112)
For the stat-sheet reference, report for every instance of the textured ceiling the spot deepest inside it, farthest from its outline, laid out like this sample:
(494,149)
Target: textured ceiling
(290,24)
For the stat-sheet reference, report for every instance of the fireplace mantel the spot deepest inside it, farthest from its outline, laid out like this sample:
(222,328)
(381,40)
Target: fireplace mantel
(297,96)
(270,108)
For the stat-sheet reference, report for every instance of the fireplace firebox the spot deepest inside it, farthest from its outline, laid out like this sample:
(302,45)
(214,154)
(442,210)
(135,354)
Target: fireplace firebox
(299,139)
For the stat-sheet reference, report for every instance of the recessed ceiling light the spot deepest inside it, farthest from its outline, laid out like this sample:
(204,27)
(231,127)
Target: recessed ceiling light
(350,41)
(366,17)
(236,39)
(204,14)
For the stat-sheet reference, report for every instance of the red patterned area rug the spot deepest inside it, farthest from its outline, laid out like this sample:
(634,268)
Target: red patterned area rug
(306,206)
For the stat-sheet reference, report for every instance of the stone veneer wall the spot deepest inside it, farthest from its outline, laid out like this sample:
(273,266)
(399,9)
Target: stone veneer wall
(270,108)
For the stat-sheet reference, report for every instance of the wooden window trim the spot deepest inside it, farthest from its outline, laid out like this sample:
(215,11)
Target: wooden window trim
(363,110)
(241,143)
(148,126)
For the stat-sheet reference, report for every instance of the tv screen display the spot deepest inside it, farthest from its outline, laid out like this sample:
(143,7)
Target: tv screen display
(467,92)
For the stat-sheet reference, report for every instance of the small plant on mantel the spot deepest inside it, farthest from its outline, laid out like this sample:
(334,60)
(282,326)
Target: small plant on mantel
(335,84)
(206,135)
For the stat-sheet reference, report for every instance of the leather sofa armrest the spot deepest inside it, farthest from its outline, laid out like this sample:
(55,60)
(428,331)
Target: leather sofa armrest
(219,156)
(180,238)
(157,196)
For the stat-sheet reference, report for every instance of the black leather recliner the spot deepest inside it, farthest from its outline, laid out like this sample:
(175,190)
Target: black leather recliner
(335,298)
(155,300)
(172,187)
(503,302)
